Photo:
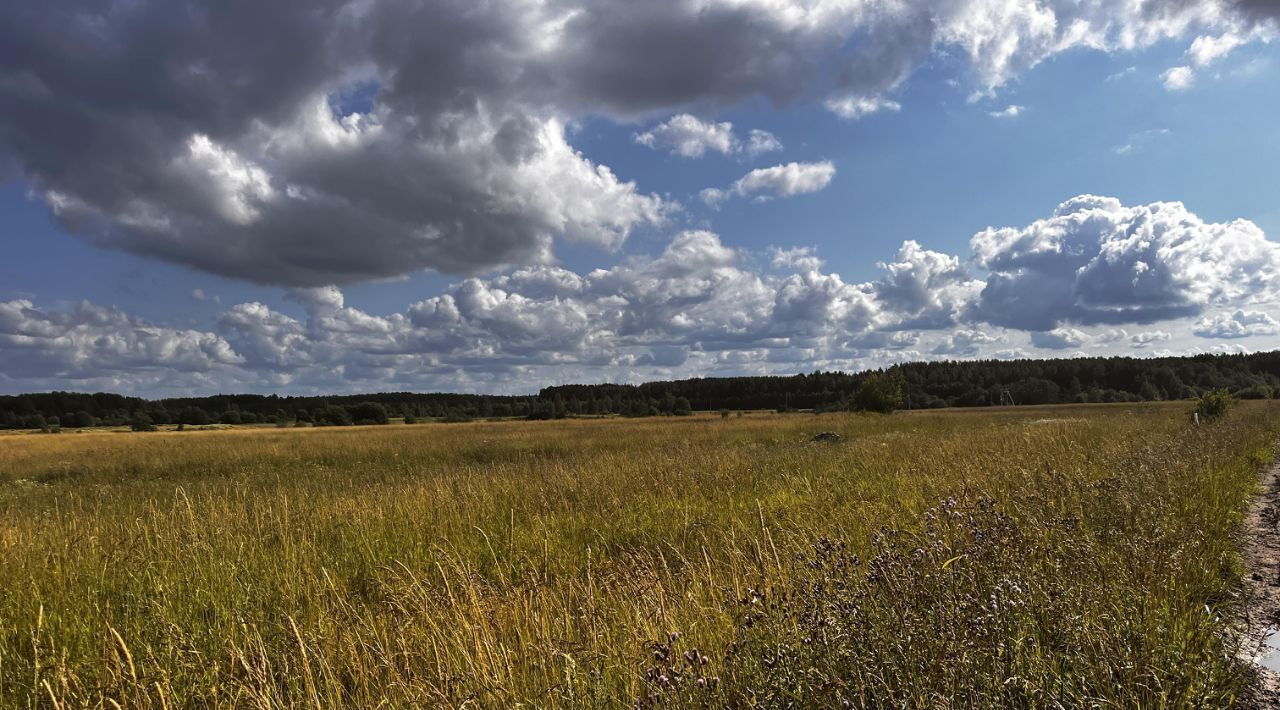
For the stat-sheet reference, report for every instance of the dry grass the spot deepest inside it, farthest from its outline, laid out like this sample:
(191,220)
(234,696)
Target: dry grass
(512,563)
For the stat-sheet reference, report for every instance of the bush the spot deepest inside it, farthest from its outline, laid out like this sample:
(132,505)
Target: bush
(879,392)
(332,415)
(368,413)
(194,416)
(682,408)
(409,418)
(141,422)
(1213,405)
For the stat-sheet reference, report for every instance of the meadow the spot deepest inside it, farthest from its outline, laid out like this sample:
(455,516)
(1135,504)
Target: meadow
(1070,556)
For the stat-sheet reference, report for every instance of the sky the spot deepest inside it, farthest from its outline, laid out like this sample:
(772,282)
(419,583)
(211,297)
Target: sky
(202,196)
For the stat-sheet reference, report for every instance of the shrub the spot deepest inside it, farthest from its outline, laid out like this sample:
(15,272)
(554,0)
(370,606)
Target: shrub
(368,413)
(332,415)
(141,422)
(194,416)
(879,392)
(1213,405)
(409,418)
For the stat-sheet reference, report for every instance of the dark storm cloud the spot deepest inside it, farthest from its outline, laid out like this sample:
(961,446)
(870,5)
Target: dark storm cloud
(209,134)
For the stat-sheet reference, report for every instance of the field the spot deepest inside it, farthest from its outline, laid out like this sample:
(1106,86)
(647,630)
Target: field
(1069,556)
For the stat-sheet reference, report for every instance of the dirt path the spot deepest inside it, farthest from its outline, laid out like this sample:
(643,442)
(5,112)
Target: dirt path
(1262,615)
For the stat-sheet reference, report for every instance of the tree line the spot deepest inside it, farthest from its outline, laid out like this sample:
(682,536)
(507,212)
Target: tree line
(916,385)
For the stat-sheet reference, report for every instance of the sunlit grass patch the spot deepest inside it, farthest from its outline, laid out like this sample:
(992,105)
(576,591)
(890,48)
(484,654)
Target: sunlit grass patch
(544,562)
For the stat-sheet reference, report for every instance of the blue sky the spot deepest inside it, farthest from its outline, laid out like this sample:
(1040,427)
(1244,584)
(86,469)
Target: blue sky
(329,242)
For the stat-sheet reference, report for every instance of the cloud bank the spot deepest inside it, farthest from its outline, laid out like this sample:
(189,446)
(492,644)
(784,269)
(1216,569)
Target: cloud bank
(339,141)
(701,307)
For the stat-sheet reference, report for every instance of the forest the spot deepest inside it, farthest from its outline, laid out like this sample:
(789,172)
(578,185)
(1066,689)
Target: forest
(918,385)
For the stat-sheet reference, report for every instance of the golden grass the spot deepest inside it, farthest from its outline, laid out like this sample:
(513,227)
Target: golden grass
(531,563)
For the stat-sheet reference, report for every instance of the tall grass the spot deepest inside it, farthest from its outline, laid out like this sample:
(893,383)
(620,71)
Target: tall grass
(548,564)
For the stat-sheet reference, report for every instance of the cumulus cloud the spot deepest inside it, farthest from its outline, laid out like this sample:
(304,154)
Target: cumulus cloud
(925,289)
(966,343)
(699,307)
(1178,78)
(759,142)
(763,184)
(1058,338)
(1149,338)
(1010,111)
(1208,49)
(854,107)
(1096,261)
(88,341)
(1240,324)
(346,141)
(801,258)
(690,137)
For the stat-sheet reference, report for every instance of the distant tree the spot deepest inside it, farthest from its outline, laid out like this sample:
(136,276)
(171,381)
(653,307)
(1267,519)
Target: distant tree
(141,421)
(83,419)
(409,418)
(879,392)
(194,416)
(332,415)
(231,416)
(681,407)
(368,413)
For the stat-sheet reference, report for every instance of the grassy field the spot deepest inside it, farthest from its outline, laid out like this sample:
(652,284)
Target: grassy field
(1072,556)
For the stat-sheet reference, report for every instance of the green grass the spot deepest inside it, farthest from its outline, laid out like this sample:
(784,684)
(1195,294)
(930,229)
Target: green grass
(547,563)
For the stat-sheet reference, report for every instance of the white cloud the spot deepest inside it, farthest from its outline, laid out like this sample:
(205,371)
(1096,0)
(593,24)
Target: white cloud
(199,295)
(1206,50)
(778,181)
(88,341)
(1097,261)
(1058,338)
(1240,324)
(1123,73)
(1149,338)
(760,142)
(798,258)
(966,343)
(855,107)
(1010,111)
(690,137)
(1178,78)
(926,289)
(700,307)
(1140,139)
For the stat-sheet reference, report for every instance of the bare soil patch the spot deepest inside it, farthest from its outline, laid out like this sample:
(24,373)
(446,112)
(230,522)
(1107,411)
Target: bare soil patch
(1262,614)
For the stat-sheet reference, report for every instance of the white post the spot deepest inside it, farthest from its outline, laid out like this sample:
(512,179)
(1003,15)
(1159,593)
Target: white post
(1196,417)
